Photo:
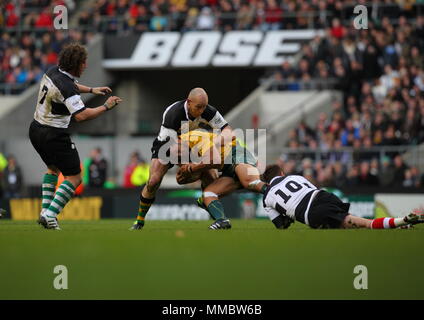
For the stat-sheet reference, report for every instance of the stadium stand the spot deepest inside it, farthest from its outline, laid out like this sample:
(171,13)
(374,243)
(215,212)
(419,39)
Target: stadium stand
(29,45)
(380,70)
(381,75)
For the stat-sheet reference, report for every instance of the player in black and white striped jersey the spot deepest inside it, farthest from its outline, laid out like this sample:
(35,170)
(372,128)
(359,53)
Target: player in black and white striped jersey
(195,112)
(59,101)
(294,198)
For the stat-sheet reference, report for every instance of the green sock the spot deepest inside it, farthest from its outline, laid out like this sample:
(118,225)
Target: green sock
(63,195)
(48,189)
(216,210)
(143,208)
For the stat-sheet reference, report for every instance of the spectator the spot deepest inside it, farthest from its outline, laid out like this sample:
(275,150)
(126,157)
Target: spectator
(387,173)
(205,20)
(353,176)
(12,179)
(245,17)
(140,174)
(129,169)
(273,16)
(97,169)
(365,176)
(400,168)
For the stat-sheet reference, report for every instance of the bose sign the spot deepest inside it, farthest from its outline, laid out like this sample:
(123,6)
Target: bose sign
(213,48)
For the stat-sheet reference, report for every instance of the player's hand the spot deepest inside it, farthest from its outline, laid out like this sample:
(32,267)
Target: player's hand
(184,176)
(112,102)
(183,171)
(287,221)
(101,91)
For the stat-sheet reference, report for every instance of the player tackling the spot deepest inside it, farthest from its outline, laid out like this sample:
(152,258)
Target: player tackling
(193,112)
(236,163)
(59,101)
(294,198)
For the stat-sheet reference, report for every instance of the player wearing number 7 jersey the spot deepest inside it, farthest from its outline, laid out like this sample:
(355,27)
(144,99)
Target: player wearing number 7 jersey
(58,102)
(294,198)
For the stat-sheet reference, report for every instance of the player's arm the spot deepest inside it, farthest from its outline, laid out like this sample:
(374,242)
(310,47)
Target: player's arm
(217,122)
(96,90)
(84,114)
(280,221)
(225,136)
(211,159)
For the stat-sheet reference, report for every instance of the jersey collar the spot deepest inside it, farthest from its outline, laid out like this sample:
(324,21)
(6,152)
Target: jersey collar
(186,111)
(68,74)
(274,179)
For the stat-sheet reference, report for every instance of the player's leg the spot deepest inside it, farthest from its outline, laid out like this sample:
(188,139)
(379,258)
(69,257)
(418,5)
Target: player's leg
(352,221)
(207,177)
(48,187)
(250,178)
(38,137)
(60,155)
(148,193)
(211,194)
(63,194)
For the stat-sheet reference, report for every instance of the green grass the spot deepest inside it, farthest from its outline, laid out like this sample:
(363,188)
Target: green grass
(184,260)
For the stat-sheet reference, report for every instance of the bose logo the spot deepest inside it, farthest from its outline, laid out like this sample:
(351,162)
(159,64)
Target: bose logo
(213,48)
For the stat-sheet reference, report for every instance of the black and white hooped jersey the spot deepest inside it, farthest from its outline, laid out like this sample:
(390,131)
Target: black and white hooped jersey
(176,115)
(289,195)
(58,99)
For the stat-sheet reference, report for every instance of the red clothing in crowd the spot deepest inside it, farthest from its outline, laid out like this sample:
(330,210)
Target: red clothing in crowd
(44,20)
(134,12)
(12,20)
(127,175)
(273,15)
(51,57)
(337,32)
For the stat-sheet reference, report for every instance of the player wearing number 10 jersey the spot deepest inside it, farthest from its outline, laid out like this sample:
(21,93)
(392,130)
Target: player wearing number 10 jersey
(294,198)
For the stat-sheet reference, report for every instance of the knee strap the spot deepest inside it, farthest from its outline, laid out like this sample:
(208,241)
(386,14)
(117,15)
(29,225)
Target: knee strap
(254,183)
(208,194)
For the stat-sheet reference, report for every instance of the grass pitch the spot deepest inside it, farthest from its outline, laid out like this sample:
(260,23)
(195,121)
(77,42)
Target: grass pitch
(185,260)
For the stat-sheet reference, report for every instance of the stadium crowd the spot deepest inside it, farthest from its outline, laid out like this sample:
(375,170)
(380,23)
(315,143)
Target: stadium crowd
(380,70)
(381,74)
(29,44)
(187,15)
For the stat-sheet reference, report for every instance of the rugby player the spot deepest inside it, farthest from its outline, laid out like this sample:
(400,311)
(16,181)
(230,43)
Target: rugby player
(294,198)
(58,102)
(238,167)
(192,113)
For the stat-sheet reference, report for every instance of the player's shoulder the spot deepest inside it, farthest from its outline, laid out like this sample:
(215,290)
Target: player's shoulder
(209,112)
(175,106)
(173,115)
(63,82)
(175,110)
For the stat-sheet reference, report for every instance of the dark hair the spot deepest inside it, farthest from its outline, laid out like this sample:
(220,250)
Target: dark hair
(271,171)
(72,57)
